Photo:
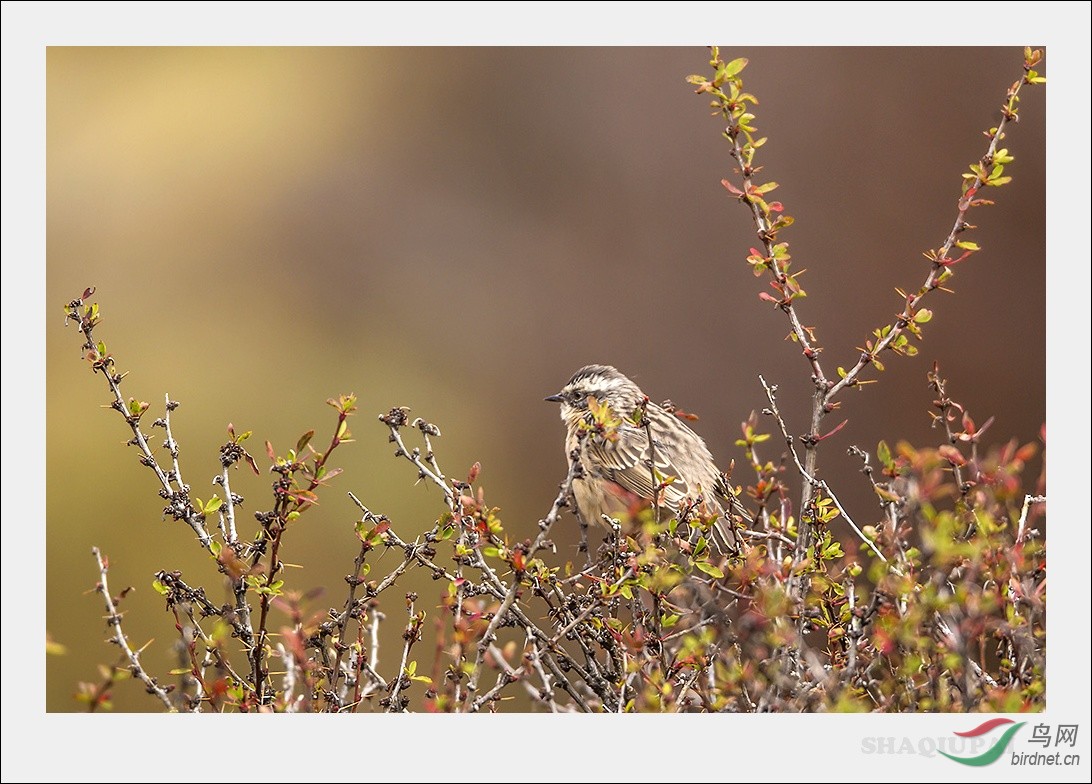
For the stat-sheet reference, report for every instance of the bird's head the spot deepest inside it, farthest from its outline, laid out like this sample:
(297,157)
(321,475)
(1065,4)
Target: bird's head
(602,382)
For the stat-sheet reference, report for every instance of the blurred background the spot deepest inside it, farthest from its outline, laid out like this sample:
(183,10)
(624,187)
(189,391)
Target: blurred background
(458,230)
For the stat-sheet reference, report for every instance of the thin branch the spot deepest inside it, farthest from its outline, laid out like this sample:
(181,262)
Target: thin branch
(1020,526)
(564,494)
(688,684)
(343,621)
(180,506)
(228,514)
(819,483)
(113,620)
(490,635)
(171,444)
(411,635)
(941,267)
(395,419)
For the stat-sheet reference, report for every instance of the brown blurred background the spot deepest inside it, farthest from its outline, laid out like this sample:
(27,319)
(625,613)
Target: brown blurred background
(457,230)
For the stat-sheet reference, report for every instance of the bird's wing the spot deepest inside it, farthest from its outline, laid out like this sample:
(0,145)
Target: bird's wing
(627,460)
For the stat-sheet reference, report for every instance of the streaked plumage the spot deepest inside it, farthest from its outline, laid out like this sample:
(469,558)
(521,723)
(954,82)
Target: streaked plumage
(617,462)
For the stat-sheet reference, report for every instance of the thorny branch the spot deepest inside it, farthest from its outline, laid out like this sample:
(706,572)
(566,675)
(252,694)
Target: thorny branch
(113,620)
(180,507)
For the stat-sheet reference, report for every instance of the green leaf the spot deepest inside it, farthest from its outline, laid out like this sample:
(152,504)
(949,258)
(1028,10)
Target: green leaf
(887,495)
(883,452)
(709,569)
(735,67)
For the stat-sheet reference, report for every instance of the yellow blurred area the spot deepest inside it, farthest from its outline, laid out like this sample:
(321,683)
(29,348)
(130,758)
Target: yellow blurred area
(457,230)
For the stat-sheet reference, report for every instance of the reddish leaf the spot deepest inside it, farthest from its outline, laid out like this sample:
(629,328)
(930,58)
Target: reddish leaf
(968,424)
(946,262)
(1026,452)
(832,432)
(303,496)
(952,455)
(732,189)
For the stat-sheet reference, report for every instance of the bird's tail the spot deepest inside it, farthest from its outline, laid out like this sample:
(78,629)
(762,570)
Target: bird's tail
(735,517)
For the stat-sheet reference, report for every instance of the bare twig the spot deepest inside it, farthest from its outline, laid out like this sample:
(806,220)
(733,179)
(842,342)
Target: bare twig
(490,635)
(113,620)
(411,635)
(1020,526)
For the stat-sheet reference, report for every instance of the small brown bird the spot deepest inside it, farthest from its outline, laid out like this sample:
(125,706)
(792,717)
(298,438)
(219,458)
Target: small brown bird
(618,461)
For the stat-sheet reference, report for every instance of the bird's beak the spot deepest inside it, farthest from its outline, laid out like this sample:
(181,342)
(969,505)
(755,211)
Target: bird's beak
(554,399)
